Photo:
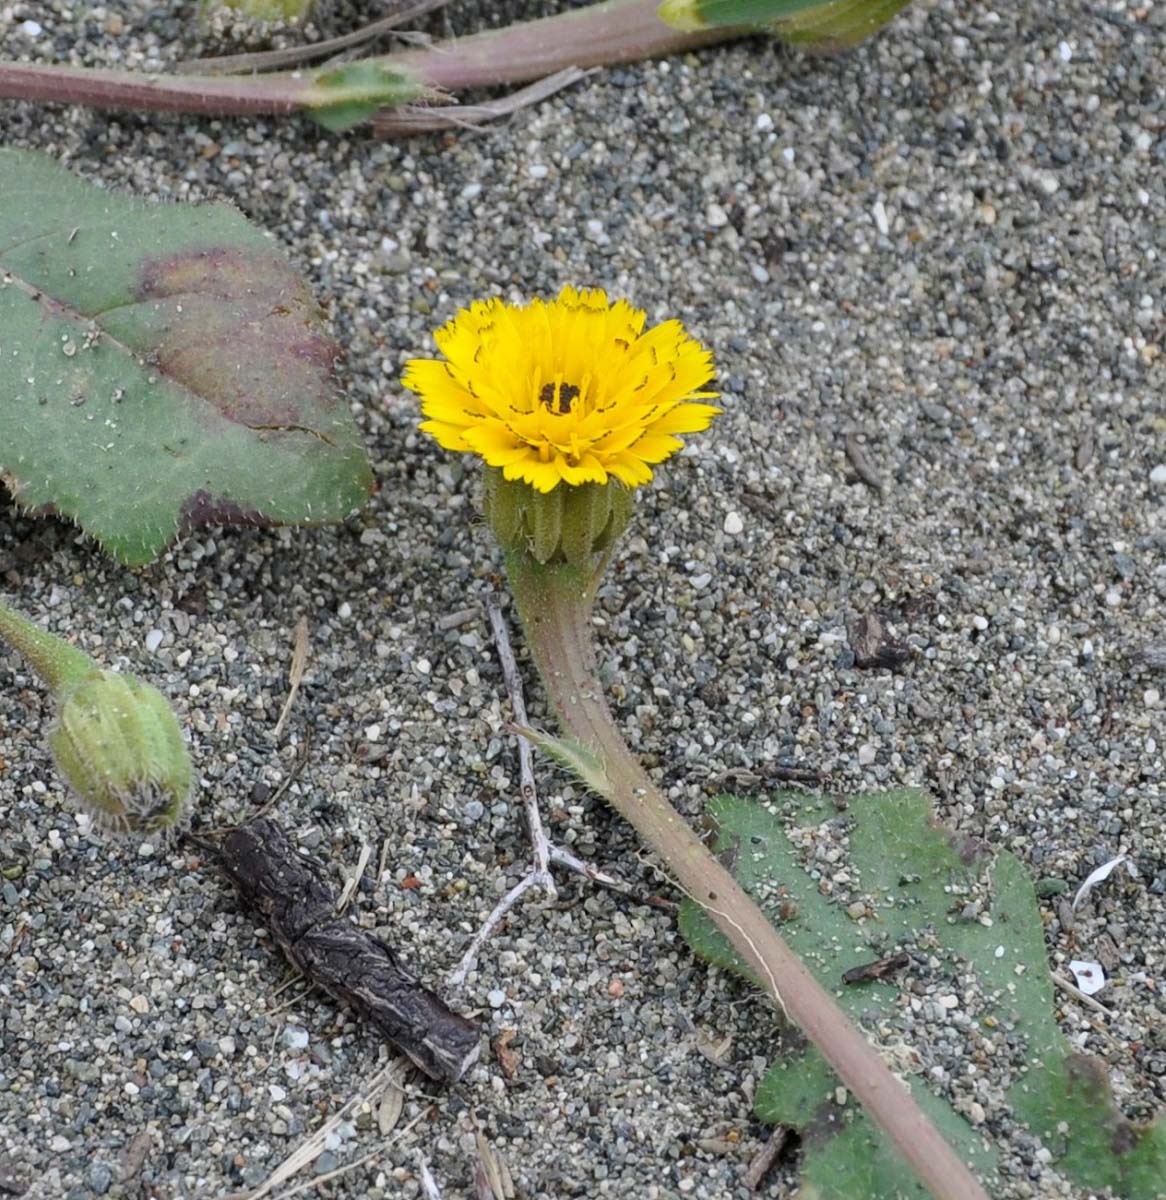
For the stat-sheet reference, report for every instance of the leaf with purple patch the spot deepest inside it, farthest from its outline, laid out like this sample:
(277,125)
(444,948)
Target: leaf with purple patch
(162,367)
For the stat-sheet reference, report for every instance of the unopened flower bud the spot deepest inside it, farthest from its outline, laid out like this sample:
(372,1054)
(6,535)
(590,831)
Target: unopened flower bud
(118,743)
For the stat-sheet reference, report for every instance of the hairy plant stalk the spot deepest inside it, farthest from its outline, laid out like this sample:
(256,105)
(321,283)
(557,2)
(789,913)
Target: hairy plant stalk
(555,603)
(614,31)
(213,95)
(600,35)
(56,662)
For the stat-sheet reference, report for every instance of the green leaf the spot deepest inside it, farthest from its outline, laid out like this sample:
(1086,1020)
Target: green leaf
(163,368)
(916,882)
(823,24)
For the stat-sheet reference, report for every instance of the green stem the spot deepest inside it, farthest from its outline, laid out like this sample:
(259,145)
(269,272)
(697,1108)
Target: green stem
(554,603)
(57,663)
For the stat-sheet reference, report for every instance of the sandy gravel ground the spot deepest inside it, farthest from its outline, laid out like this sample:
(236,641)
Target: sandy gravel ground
(947,244)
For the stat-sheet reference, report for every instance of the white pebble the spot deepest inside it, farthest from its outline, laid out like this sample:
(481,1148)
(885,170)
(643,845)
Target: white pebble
(789,154)
(1151,697)
(866,755)
(764,123)
(1065,51)
(153,640)
(1158,475)
(32,29)
(373,733)
(879,212)
(277,1093)
(716,217)
(497,998)
(759,273)
(471,191)
(700,582)
(295,1038)
(344,611)
(980,622)
(733,524)
(538,170)
(1113,597)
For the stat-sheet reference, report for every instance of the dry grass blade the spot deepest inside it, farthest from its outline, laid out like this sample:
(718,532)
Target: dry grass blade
(313,1146)
(407,121)
(353,880)
(296,675)
(274,60)
(393,1101)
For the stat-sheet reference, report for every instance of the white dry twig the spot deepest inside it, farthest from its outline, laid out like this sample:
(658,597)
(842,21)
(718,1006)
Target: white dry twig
(545,852)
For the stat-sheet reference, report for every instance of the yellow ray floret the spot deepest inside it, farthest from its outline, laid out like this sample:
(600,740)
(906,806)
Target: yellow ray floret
(571,390)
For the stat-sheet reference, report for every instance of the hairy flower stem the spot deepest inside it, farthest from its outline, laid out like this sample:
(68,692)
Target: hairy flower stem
(58,664)
(600,35)
(554,603)
(614,31)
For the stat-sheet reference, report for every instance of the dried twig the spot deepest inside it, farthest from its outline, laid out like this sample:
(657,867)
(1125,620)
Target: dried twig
(545,852)
(313,1146)
(296,675)
(861,464)
(412,119)
(764,1159)
(299,907)
(274,60)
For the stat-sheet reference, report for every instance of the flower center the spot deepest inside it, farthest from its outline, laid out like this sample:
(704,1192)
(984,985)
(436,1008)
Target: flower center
(557,397)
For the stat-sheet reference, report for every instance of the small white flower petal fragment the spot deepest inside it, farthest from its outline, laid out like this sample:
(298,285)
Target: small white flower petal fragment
(1101,874)
(1089,976)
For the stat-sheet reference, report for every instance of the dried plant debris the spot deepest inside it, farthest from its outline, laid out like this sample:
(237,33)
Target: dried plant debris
(299,907)
(971,945)
(873,640)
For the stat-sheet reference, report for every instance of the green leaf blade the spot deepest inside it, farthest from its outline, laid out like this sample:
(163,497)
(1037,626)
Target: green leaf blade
(165,369)
(975,916)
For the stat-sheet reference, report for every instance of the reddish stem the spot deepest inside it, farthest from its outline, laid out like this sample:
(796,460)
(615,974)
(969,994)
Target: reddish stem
(614,31)
(555,603)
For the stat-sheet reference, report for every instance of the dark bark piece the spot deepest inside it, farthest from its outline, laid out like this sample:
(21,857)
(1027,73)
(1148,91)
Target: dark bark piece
(874,644)
(299,907)
(881,968)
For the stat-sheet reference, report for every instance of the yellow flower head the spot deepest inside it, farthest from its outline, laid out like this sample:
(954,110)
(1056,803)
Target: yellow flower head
(567,391)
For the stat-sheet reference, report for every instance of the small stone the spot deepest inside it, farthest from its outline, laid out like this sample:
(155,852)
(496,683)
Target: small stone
(295,1038)
(32,29)
(60,1144)
(140,1004)
(153,640)
(700,582)
(538,170)
(980,622)
(99,1178)
(1158,475)
(344,611)
(734,524)
(497,998)
(716,217)
(227,1046)
(866,755)
(759,273)
(325,1163)
(764,123)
